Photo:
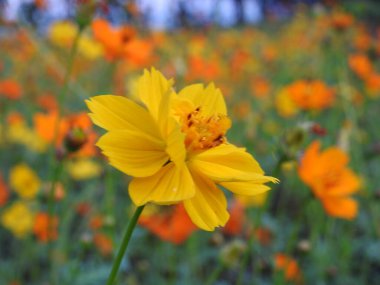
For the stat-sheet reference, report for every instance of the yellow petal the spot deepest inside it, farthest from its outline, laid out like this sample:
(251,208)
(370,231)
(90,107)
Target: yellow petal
(116,112)
(226,162)
(208,208)
(175,141)
(134,152)
(249,188)
(169,185)
(153,89)
(209,99)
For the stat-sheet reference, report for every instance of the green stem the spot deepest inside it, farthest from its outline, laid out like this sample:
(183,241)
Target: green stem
(215,274)
(51,210)
(124,244)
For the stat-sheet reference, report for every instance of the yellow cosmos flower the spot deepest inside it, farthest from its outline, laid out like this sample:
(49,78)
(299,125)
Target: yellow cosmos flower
(83,169)
(24,181)
(90,48)
(62,33)
(18,218)
(174,146)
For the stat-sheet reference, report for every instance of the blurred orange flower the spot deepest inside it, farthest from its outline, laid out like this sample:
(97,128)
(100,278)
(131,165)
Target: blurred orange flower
(75,131)
(237,219)
(311,94)
(4,193)
(15,118)
(45,125)
(48,102)
(96,222)
(289,266)
(263,235)
(373,84)
(113,39)
(121,42)
(260,87)
(341,20)
(45,227)
(362,41)
(11,89)
(103,243)
(207,69)
(330,180)
(41,4)
(360,65)
(173,225)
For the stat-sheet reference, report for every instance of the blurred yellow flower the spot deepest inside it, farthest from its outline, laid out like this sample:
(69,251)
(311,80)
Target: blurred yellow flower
(285,105)
(18,218)
(22,134)
(176,148)
(90,48)
(83,169)
(252,201)
(62,33)
(24,181)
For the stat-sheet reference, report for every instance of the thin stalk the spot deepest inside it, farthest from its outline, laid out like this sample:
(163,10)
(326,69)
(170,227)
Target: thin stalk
(215,274)
(124,244)
(51,210)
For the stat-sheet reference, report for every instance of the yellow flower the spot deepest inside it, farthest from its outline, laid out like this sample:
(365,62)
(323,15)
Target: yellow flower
(84,169)
(62,33)
(253,201)
(90,48)
(24,181)
(18,218)
(22,134)
(284,104)
(175,147)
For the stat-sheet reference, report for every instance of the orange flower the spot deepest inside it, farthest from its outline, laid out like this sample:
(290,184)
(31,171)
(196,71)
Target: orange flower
(362,41)
(139,52)
(81,137)
(45,227)
(82,208)
(201,68)
(103,243)
(263,235)
(15,118)
(114,40)
(174,226)
(4,193)
(269,53)
(11,89)
(330,180)
(45,125)
(235,224)
(41,4)
(373,84)
(242,109)
(311,95)
(341,20)
(260,87)
(360,64)
(48,102)
(289,266)
(74,130)
(96,222)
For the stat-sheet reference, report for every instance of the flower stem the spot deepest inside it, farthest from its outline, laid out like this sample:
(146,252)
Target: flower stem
(124,244)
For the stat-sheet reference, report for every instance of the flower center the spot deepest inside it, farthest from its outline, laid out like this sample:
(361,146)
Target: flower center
(203,132)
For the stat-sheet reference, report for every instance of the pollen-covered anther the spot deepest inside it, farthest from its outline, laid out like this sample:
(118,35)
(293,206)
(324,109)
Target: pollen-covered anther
(204,132)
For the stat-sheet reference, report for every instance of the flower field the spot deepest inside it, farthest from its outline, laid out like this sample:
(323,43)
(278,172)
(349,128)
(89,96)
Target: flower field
(246,155)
